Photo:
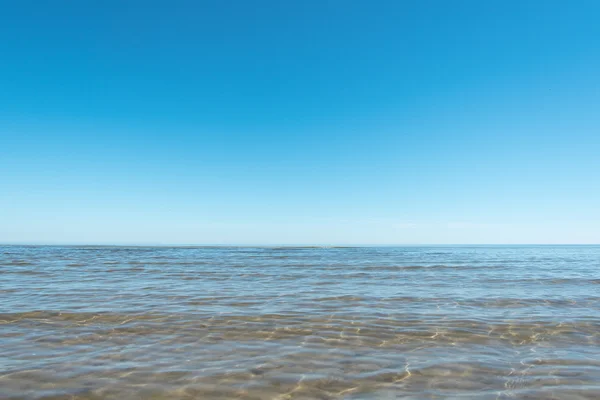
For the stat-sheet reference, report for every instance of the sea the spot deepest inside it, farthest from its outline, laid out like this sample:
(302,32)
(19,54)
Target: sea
(437,322)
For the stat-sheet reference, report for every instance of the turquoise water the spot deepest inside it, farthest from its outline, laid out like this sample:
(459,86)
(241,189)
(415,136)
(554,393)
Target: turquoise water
(300,323)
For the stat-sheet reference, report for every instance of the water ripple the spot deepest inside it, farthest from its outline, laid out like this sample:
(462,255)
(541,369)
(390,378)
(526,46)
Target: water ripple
(480,322)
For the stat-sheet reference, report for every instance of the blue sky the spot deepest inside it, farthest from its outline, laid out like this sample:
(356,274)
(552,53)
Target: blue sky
(299,122)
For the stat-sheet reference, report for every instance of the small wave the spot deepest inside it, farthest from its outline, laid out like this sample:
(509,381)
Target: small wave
(18,262)
(28,272)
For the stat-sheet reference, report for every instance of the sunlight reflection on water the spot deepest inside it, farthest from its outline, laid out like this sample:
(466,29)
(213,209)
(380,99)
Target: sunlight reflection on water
(300,323)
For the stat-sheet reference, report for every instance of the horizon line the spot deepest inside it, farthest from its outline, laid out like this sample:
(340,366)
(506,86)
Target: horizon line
(290,245)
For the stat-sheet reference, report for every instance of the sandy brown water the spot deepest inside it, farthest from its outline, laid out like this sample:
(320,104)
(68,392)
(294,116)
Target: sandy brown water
(495,322)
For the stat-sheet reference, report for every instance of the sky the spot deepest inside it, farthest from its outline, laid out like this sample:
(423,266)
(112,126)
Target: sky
(299,122)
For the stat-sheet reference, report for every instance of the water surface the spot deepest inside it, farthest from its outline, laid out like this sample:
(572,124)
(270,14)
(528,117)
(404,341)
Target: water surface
(478,322)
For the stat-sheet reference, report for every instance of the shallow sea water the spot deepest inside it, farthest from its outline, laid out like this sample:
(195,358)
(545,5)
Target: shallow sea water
(496,322)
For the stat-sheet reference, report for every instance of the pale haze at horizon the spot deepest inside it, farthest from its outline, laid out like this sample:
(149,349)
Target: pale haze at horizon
(307,122)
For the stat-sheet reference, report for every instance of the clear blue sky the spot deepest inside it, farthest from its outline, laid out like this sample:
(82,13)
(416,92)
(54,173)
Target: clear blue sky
(322,122)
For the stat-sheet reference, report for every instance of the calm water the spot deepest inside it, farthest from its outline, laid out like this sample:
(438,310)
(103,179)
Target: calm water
(300,323)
